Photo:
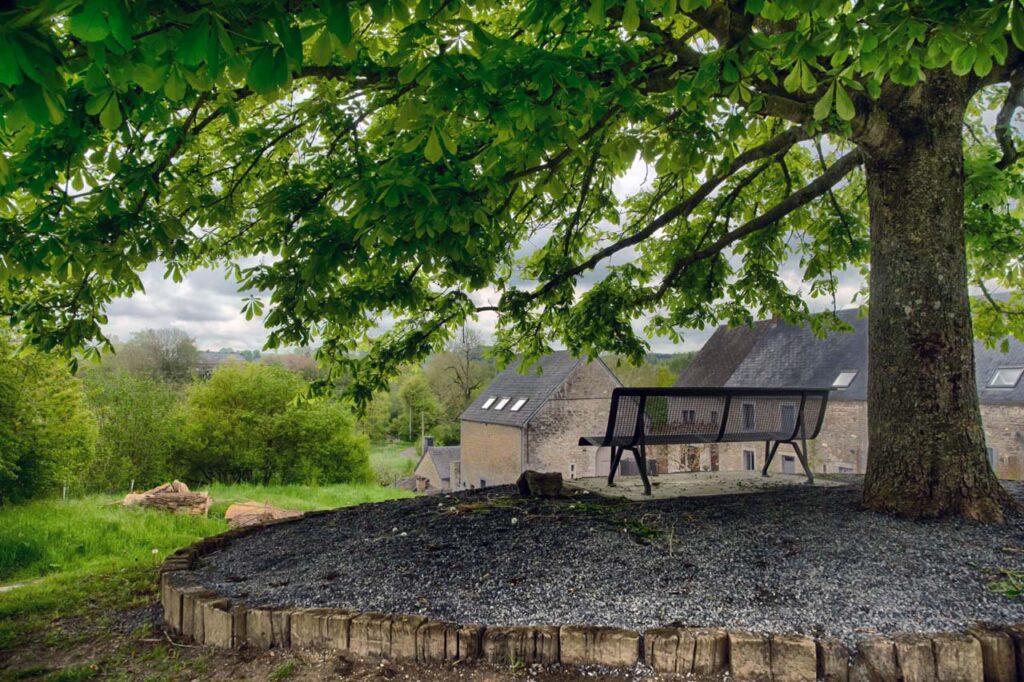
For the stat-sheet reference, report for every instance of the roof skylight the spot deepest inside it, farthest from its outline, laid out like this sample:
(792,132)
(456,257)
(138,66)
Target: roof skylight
(518,404)
(502,403)
(1006,377)
(487,403)
(844,379)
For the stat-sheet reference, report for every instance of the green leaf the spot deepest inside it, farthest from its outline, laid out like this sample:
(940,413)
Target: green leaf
(110,117)
(630,16)
(596,12)
(339,22)
(10,74)
(449,143)
(824,106)
(261,76)
(792,82)
(174,86)
(322,50)
(1017,25)
(983,65)
(433,149)
(89,24)
(291,40)
(408,71)
(844,105)
(119,23)
(192,48)
(963,60)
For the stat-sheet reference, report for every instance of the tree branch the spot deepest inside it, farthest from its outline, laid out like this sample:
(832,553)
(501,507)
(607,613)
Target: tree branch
(1004,129)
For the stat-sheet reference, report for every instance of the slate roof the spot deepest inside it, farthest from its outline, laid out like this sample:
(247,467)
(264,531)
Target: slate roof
(442,456)
(775,354)
(535,386)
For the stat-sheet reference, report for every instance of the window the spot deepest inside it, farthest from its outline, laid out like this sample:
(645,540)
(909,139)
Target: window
(572,472)
(487,403)
(992,459)
(845,378)
(787,418)
(748,460)
(483,483)
(748,416)
(502,403)
(689,416)
(845,470)
(1006,377)
(788,464)
(518,404)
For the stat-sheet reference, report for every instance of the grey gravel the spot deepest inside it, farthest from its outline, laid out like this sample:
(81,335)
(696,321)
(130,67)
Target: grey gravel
(793,560)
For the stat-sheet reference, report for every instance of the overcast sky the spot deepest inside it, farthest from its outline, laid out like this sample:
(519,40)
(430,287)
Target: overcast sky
(208,305)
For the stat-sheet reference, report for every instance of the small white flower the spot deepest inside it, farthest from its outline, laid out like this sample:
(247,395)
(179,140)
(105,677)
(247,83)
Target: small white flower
(514,520)
(395,529)
(402,534)
(156,551)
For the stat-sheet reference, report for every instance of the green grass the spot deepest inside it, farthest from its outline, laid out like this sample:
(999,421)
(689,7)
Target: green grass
(90,556)
(303,498)
(388,463)
(92,533)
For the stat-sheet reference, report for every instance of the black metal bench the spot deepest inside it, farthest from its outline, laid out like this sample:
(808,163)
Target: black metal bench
(639,417)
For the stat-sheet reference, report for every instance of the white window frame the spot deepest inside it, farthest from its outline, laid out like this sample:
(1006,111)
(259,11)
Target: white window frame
(751,456)
(518,404)
(487,403)
(853,377)
(1014,373)
(502,402)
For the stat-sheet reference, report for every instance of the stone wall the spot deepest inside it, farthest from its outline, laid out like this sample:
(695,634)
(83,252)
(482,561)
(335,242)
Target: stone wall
(489,453)
(1004,433)
(578,408)
(199,615)
(426,471)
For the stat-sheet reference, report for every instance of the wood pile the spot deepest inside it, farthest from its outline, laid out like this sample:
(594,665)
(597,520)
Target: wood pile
(171,497)
(251,513)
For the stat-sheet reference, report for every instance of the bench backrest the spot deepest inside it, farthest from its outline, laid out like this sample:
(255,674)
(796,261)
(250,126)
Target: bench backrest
(714,415)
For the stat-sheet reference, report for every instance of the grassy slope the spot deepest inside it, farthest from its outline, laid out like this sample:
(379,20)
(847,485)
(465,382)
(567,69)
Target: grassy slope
(85,553)
(388,463)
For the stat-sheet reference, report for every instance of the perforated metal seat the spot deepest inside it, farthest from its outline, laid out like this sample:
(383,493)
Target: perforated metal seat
(639,417)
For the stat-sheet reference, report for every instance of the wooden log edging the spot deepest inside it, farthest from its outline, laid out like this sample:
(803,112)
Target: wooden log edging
(204,617)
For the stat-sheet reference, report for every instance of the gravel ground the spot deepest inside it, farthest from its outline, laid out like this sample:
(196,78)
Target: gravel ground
(803,560)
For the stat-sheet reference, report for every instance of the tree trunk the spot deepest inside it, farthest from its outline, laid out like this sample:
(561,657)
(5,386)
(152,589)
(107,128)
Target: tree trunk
(927,446)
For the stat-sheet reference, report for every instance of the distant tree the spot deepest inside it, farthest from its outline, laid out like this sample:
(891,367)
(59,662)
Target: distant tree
(681,361)
(642,374)
(302,363)
(47,434)
(136,436)
(456,375)
(167,354)
(419,407)
(376,420)
(245,424)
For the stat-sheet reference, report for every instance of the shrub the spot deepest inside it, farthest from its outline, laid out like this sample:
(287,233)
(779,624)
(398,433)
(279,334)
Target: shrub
(47,435)
(244,424)
(136,434)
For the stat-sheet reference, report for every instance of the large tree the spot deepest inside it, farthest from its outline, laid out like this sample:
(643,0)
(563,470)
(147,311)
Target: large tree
(397,158)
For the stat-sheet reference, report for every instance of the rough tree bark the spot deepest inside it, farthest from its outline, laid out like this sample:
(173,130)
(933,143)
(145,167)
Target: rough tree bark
(927,446)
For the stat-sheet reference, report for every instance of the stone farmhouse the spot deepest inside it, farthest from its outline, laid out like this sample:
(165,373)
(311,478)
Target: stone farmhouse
(533,420)
(437,467)
(771,353)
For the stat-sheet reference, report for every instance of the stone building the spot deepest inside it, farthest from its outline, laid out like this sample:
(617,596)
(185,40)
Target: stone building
(533,420)
(437,467)
(771,353)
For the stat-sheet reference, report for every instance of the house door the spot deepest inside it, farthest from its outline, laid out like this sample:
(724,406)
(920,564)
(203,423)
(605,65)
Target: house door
(602,461)
(788,464)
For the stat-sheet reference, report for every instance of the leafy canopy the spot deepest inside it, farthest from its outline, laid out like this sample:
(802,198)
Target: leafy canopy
(424,160)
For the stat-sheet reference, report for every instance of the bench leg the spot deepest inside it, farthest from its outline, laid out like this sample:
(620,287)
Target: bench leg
(802,455)
(614,465)
(641,462)
(769,456)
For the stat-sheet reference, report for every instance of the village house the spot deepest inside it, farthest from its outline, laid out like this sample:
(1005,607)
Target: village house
(533,420)
(437,467)
(772,353)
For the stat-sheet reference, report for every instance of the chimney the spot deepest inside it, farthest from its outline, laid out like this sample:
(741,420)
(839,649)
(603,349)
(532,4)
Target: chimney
(428,442)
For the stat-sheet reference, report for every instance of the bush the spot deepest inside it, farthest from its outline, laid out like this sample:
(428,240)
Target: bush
(244,424)
(136,433)
(47,435)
